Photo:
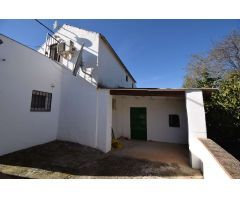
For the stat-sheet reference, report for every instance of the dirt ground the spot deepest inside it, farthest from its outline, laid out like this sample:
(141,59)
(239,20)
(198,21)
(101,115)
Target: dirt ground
(136,159)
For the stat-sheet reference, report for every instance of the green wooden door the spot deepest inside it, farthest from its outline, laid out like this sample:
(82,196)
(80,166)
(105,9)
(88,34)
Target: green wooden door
(138,123)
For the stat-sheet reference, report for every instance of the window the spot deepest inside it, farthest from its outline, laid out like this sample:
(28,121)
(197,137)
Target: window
(41,101)
(174,121)
(53,52)
(127,78)
(114,104)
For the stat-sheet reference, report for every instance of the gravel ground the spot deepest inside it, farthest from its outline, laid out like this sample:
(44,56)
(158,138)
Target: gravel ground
(70,160)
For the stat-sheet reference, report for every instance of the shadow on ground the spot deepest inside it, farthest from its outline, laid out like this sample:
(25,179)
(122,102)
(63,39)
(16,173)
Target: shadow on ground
(7,176)
(70,160)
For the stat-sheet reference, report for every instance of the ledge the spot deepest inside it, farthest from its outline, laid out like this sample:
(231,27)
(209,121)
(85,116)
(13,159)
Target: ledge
(230,164)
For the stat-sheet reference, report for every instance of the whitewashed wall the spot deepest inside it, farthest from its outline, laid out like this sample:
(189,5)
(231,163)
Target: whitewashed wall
(90,50)
(80,113)
(98,60)
(158,110)
(23,71)
(196,124)
(85,115)
(111,73)
(209,165)
(104,120)
(78,110)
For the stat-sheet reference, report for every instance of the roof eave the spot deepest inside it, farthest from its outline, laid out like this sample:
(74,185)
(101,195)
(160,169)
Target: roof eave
(117,57)
(158,91)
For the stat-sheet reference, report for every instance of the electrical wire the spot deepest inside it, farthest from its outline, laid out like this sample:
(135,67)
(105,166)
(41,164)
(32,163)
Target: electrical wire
(58,41)
(44,26)
(47,29)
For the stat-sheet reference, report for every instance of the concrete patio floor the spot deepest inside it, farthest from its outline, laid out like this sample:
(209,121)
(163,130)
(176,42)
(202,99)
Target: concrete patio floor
(155,151)
(137,159)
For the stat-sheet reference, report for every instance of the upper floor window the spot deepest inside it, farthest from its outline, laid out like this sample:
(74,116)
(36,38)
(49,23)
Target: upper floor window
(41,101)
(127,78)
(174,121)
(53,52)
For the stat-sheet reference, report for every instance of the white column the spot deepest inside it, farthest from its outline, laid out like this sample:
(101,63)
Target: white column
(104,120)
(196,124)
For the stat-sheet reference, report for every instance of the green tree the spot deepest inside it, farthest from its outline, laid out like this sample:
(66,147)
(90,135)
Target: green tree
(207,81)
(223,58)
(223,109)
(219,68)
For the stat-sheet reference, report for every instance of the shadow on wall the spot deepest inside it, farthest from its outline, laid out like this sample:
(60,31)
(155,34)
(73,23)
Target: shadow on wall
(87,43)
(89,59)
(196,102)
(88,54)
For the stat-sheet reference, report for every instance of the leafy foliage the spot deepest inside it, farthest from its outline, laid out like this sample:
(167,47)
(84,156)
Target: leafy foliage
(229,96)
(219,68)
(223,58)
(223,109)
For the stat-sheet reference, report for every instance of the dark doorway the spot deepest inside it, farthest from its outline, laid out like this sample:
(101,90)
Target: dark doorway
(138,123)
(53,52)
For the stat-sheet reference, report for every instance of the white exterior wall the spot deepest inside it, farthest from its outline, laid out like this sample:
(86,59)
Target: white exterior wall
(79,112)
(23,71)
(98,59)
(158,110)
(85,115)
(104,120)
(196,124)
(90,50)
(210,166)
(111,73)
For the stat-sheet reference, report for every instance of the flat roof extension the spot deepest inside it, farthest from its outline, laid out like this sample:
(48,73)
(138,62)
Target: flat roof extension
(158,91)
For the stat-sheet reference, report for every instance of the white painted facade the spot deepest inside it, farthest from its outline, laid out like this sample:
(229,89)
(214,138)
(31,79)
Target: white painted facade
(101,64)
(196,124)
(203,159)
(110,72)
(84,113)
(158,111)
(80,111)
(22,71)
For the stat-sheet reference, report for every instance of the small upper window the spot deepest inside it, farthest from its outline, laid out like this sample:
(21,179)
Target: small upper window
(174,121)
(127,78)
(41,101)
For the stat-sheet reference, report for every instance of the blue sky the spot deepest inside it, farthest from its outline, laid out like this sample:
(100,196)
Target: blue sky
(156,52)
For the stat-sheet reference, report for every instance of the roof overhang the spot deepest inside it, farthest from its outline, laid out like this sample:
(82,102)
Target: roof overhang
(159,91)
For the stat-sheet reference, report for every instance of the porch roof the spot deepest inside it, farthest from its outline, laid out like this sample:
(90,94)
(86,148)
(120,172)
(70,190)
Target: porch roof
(179,92)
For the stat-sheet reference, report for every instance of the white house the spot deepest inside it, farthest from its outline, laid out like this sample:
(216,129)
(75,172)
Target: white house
(76,88)
(101,64)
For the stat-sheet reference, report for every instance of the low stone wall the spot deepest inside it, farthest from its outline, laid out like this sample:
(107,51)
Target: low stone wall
(229,164)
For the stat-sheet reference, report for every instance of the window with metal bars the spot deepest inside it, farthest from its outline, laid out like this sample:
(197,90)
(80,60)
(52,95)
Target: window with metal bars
(41,101)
